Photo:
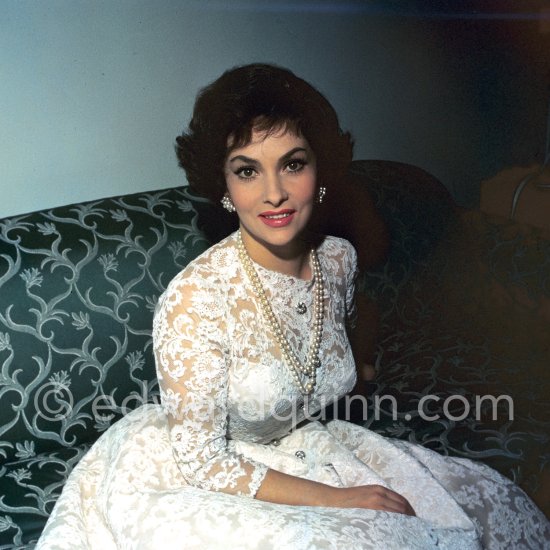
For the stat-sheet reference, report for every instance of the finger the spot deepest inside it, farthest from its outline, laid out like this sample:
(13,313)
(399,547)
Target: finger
(388,506)
(399,503)
(392,495)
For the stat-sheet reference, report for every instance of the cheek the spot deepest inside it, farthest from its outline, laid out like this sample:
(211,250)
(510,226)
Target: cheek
(309,189)
(242,197)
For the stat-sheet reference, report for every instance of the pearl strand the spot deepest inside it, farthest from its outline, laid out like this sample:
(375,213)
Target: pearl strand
(297,370)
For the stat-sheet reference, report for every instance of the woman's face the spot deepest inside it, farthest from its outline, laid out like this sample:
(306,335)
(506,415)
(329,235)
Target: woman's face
(272,183)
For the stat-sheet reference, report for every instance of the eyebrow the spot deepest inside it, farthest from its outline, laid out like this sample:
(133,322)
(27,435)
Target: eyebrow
(286,156)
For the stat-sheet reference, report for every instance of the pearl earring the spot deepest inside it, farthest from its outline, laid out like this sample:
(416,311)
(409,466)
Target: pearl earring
(227,203)
(321,194)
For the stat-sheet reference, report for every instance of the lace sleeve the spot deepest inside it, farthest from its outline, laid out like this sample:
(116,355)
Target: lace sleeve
(350,266)
(188,335)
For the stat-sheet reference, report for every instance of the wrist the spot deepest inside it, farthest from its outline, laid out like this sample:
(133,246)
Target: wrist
(329,496)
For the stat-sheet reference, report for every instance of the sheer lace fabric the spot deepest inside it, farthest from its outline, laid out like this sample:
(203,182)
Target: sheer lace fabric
(185,474)
(208,326)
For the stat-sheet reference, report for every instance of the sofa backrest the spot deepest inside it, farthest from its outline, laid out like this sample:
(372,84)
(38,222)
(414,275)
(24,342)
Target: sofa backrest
(417,210)
(78,286)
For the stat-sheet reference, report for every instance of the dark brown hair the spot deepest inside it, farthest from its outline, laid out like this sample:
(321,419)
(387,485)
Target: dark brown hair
(263,97)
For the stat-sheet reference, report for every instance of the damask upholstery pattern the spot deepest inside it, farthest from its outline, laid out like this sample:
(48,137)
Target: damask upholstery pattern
(78,288)
(463,300)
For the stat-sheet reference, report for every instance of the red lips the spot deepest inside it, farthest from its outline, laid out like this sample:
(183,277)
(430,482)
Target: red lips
(277,218)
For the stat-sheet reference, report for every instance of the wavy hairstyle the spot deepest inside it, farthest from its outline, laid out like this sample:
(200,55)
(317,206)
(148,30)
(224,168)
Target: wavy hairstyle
(265,98)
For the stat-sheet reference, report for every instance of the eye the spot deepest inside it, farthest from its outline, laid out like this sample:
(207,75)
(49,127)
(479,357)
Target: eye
(295,165)
(245,172)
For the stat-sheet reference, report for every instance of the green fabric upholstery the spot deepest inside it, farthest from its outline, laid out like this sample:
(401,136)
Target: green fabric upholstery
(78,289)
(79,285)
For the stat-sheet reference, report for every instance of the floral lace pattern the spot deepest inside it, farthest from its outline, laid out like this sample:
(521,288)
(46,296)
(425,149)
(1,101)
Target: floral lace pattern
(220,372)
(187,470)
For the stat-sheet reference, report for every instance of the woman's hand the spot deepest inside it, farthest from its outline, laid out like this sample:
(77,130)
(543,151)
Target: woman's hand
(375,497)
(286,489)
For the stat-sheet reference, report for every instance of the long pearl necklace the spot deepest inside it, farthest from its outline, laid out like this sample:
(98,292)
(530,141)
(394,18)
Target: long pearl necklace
(297,370)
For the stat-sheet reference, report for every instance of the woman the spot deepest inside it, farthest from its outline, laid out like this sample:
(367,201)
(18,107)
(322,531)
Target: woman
(250,343)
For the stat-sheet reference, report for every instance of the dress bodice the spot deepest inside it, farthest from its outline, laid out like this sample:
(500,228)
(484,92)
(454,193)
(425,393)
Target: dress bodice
(220,369)
(263,401)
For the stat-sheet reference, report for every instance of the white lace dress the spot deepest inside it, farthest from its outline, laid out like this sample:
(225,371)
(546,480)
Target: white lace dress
(184,474)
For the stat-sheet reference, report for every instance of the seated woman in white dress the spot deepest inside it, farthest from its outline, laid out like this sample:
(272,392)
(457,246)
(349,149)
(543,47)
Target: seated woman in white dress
(251,343)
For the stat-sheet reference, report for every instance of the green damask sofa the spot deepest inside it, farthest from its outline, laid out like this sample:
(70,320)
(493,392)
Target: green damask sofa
(460,308)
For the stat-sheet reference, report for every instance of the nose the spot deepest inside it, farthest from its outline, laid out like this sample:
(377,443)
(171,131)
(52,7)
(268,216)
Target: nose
(274,191)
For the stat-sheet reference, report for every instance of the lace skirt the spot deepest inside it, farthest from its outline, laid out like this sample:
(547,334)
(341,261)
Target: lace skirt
(127,492)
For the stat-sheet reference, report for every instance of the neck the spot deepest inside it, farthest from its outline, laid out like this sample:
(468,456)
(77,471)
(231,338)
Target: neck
(291,259)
